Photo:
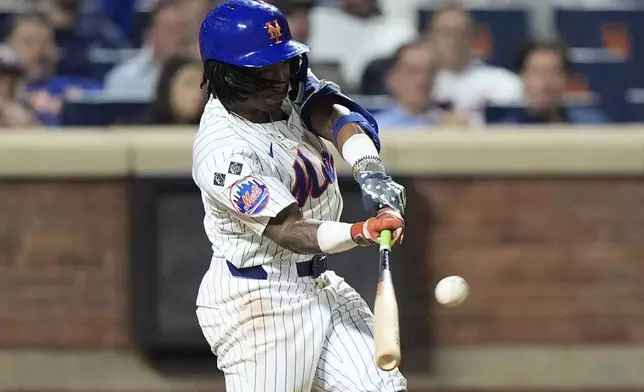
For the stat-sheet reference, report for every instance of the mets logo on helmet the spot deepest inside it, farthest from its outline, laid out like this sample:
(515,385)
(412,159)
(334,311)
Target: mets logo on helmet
(274,31)
(249,196)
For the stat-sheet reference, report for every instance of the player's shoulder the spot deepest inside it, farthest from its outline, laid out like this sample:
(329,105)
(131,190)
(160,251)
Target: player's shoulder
(221,148)
(229,156)
(221,130)
(215,121)
(222,139)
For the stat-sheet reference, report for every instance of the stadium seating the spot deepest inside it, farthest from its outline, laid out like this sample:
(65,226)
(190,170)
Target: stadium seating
(607,46)
(101,112)
(500,114)
(610,82)
(4,25)
(635,103)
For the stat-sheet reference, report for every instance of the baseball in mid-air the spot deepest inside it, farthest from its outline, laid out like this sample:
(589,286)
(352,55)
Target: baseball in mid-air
(451,291)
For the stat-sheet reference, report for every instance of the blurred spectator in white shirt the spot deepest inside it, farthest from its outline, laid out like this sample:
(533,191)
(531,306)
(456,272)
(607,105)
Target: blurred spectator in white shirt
(463,81)
(410,76)
(165,38)
(353,34)
(297,14)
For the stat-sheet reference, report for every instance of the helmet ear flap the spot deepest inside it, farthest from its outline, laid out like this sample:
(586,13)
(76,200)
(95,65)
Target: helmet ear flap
(296,64)
(299,67)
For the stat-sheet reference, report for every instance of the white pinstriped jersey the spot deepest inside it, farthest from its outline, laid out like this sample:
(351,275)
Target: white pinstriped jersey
(249,172)
(277,331)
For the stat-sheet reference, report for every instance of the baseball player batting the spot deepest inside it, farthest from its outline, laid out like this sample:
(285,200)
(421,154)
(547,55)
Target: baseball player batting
(274,316)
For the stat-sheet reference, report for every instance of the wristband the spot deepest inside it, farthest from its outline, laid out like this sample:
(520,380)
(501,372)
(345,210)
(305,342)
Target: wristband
(344,120)
(335,237)
(360,152)
(357,147)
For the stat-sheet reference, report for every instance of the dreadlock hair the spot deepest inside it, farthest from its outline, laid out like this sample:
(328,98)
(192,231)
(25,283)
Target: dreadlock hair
(231,83)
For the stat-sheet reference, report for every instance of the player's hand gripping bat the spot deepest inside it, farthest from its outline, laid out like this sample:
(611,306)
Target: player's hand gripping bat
(386,311)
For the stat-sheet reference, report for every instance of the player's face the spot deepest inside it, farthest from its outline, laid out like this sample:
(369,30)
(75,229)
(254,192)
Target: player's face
(277,76)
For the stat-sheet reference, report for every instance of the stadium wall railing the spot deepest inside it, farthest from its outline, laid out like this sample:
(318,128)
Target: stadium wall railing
(546,224)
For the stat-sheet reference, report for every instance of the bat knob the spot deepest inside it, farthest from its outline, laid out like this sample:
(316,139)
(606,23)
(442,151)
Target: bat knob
(388,362)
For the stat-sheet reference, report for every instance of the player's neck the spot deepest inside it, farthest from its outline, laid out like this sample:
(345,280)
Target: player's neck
(260,117)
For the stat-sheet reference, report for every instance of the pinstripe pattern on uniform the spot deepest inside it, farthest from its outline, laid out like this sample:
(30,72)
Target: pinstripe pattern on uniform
(285,333)
(224,138)
(291,334)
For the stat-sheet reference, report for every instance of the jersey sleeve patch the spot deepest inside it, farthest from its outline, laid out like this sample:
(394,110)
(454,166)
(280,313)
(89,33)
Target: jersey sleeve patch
(249,196)
(235,168)
(220,179)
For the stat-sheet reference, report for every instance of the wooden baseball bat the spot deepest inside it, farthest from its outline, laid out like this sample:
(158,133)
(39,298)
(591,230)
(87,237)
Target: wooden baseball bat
(386,312)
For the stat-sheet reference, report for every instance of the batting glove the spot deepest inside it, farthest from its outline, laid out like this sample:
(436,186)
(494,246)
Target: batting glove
(368,232)
(380,191)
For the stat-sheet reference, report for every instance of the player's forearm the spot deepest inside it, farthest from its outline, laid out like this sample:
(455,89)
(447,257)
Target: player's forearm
(290,230)
(298,236)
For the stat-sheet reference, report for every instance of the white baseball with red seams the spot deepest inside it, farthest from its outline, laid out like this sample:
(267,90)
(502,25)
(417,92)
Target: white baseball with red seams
(451,291)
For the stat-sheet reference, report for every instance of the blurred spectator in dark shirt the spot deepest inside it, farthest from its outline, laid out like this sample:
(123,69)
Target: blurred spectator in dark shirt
(137,77)
(410,77)
(13,113)
(80,27)
(464,81)
(352,35)
(179,98)
(545,68)
(32,39)
(374,77)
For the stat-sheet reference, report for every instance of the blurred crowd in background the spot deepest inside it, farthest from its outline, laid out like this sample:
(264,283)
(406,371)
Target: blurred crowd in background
(414,63)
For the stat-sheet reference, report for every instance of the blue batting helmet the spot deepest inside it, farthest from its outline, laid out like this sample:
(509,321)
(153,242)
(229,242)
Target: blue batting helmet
(247,33)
